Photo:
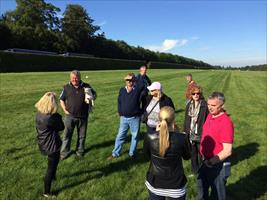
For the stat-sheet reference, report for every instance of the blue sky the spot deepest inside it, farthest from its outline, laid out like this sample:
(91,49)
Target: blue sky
(218,32)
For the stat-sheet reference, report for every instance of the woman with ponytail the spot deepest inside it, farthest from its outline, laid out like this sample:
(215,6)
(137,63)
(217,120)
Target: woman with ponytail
(166,148)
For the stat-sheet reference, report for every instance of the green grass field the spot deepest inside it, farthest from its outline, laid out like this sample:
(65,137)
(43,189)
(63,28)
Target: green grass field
(93,177)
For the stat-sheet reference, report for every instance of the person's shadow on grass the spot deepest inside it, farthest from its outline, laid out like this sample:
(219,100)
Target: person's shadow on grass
(244,152)
(16,153)
(112,142)
(179,110)
(111,167)
(99,145)
(252,186)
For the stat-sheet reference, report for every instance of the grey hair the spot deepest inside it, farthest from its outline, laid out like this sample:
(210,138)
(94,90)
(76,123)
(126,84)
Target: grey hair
(76,72)
(217,95)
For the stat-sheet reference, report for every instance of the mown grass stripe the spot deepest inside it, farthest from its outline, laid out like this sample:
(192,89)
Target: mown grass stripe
(23,167)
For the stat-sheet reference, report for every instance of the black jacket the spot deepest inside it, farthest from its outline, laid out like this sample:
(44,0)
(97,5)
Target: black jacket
(163,101)
(203,113)
(167,172)
(47,127)
(146,80)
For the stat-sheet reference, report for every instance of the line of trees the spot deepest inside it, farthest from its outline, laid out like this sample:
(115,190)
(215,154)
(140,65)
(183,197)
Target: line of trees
(35,24)
(262,67)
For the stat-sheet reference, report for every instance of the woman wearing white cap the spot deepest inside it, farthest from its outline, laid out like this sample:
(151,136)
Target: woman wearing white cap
(154,102)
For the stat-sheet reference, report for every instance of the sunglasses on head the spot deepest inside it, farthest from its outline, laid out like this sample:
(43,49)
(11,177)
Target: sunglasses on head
(196,93)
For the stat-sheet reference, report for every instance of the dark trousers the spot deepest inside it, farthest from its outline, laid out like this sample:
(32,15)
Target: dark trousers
(53,160)
(142,100)
(70,124)
(195,157)
(150,129)
(153,196)
(214,177)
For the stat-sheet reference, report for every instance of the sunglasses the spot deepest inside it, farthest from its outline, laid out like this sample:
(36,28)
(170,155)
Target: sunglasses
(130,80)
(196,93)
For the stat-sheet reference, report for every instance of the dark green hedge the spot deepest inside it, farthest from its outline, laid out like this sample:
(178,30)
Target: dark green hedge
(23,62)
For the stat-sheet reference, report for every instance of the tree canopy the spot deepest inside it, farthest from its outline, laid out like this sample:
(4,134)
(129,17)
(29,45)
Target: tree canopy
(35,24)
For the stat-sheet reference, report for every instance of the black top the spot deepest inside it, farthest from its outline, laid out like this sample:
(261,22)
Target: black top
(74,99)
(202,115)
(47,127)
(167,172)
(163,101)
(146,80)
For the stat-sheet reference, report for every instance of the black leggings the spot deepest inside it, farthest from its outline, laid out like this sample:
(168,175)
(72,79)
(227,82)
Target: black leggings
(195,157)
(53,160)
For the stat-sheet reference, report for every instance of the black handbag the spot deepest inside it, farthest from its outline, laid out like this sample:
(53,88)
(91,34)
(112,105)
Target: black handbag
(145,115)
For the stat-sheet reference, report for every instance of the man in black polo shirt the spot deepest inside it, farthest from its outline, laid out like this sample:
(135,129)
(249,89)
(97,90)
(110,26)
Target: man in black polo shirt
(129,111)
(72,101)
(146,81)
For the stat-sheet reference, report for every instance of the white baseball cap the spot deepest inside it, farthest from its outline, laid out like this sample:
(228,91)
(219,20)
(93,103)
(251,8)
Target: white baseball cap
(155,86)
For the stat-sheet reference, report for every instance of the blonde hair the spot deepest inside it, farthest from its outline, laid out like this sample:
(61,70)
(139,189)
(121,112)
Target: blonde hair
(47,104)
(166,117)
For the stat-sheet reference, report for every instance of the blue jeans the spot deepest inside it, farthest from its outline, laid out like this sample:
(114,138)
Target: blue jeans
(127,123)
(214,177)
(153,196)
(70,124)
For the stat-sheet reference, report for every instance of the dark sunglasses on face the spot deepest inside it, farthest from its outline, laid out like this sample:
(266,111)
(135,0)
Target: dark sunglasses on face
(130,80)
(196,93)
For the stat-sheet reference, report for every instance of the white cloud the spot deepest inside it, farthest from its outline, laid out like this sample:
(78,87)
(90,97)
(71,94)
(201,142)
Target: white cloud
(168,44)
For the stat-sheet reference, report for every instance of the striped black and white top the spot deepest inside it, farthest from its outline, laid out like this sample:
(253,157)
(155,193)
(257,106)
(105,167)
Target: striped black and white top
(173,193)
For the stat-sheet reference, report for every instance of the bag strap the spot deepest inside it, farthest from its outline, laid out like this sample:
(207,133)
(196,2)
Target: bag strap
(152,108)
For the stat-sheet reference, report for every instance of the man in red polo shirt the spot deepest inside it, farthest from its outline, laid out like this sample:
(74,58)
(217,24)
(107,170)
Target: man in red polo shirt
(215,148)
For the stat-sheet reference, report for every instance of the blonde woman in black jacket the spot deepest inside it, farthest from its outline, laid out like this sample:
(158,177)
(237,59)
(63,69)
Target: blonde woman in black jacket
(166,148)
(48,125)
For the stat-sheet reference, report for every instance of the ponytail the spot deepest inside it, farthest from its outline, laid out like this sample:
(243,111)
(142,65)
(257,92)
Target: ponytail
(166,118)
(164,138)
